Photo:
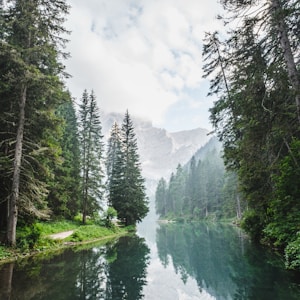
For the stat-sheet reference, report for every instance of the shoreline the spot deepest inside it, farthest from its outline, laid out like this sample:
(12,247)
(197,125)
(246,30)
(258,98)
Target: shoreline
(61,245)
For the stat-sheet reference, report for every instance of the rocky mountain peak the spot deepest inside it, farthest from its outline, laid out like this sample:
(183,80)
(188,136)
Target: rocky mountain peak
(160,151)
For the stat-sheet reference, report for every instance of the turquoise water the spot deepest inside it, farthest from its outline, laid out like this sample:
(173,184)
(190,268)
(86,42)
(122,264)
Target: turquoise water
(175,261)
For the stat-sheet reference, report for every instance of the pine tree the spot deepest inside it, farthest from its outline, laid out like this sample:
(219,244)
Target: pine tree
(64,196)
(161,197)
(30,91)
(91,146)
(113,151)
(127,188)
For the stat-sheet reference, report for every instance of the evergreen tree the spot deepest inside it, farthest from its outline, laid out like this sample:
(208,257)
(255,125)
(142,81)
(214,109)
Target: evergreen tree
(64,196)
(30,89)
(127,190)
(161,197)
(177,190)
(113,151)
(191,187)
(196,190)
(91,146)
(257,112)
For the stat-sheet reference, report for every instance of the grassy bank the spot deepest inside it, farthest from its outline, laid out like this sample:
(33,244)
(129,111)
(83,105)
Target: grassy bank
(37,240)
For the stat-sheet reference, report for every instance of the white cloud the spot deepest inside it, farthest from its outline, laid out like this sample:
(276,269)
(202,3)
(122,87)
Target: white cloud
(138,55)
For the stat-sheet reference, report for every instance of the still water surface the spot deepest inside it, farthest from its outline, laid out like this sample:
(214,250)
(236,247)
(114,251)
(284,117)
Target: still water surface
(168,262)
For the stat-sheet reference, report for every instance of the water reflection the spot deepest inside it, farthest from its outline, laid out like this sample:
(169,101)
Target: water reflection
(186,261)
(114,271)
(224,263)
(127,269)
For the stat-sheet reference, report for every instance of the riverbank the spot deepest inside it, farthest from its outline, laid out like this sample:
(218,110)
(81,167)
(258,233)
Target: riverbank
(53,238)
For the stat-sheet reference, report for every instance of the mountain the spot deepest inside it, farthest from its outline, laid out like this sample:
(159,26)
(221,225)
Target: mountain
(160,151)
(201,153)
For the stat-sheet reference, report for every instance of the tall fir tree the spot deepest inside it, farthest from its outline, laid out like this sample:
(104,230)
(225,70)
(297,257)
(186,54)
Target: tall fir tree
(91,146)
(30,90)
(127,190)
(64,195)
(113,151)
(161,197)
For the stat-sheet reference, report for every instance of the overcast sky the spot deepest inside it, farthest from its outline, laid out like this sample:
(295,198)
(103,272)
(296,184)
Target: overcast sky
(144,56)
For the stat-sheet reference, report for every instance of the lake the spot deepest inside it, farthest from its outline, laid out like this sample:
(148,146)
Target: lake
(163,261)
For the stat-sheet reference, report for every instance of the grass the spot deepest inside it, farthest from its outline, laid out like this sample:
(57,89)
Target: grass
(82,234)
(92,232)
(48,228)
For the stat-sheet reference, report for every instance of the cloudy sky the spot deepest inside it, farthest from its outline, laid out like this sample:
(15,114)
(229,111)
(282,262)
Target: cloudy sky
(144,56)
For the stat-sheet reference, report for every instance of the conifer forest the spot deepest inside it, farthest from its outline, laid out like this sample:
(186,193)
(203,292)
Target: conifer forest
(54,162)
(52,157)
(254,72)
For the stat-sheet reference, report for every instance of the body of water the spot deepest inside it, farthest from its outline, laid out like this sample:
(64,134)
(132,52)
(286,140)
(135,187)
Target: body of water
(167,261)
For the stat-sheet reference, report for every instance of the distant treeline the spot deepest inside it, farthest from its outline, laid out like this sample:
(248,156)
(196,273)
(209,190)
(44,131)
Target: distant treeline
(200,190)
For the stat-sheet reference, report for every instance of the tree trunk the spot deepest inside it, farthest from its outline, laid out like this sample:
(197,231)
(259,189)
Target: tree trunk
(85,198)
(287,52)
(14,198)
(238,207)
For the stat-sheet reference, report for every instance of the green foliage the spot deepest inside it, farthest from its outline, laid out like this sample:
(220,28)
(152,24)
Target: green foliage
(161,197)
(292,254)
(91,232)
(197,191)
(256,116)
(283,226)
(109,216)
(28,236)
(30,91)
(126,187)
(131,228)
(51,227)
(59,155)
(4,253)
(252,224)
(91,153)
(64,186)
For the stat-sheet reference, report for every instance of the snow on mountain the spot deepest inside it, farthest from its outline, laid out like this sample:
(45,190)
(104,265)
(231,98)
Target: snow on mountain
(160,151)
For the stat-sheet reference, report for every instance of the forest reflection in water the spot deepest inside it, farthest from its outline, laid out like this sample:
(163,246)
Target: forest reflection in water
(113,271)
(173,261)
(224,262)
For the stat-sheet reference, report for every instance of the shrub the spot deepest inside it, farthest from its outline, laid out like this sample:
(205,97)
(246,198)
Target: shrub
(110,214)
(252,224)
(28,236)
(4,253)
(292,254)
(76,237)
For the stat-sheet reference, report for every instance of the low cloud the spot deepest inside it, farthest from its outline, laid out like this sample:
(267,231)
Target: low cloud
(143,56)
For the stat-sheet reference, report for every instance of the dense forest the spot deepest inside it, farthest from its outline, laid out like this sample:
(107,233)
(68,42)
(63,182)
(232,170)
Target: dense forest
(202,189)
(254,74)
(53,161)
(52,154)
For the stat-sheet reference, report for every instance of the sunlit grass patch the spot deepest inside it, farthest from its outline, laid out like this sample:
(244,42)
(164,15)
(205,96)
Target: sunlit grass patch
(48,228)
(91,232)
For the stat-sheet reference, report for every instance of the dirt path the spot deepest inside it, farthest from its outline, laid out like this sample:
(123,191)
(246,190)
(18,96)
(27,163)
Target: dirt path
(61,235)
